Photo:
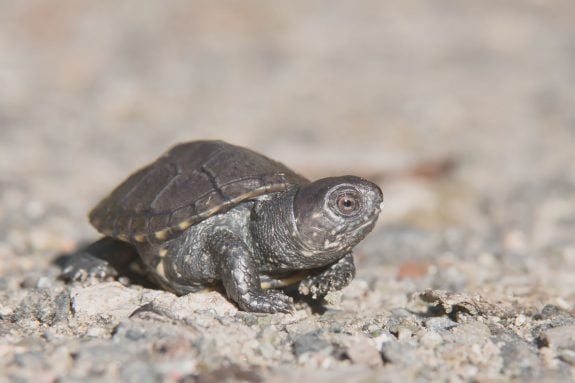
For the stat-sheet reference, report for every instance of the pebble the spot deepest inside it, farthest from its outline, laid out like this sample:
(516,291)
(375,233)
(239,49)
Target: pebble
(520,320)
(362,351)
(431,339)
(559,337)
(439,323)
(44,283)
(309,343)
(356,289)
(108,299)
(5,311)
(97,332)
(567,356)
(404,333)
(188,305)
(412,270)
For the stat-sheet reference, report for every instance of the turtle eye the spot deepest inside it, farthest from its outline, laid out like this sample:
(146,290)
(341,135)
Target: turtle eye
(347,203)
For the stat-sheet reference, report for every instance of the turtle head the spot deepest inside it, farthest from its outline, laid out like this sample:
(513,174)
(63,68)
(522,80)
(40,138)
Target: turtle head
(335,213)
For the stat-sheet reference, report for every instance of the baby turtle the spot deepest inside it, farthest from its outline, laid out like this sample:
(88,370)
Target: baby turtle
(208,212)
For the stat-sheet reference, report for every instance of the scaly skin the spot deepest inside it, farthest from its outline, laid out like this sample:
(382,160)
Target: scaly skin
(240,278)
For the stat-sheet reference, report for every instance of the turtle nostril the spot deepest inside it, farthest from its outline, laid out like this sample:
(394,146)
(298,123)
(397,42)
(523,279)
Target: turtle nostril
(379,195)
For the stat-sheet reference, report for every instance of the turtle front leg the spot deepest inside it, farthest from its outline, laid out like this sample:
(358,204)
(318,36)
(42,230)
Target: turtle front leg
(332,278)
(240,276)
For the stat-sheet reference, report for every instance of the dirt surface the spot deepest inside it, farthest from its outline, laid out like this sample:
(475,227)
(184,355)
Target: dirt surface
(461,110)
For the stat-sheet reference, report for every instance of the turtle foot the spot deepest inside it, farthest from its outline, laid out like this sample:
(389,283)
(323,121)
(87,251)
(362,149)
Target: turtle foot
(270,301)
(82,267)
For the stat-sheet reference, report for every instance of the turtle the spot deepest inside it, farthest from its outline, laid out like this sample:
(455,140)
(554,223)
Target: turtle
(209,213)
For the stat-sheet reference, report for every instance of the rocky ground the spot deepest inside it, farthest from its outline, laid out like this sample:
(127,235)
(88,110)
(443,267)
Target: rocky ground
(461,111)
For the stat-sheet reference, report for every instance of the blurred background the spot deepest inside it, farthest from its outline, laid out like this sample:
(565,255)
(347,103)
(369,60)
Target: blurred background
(463,111)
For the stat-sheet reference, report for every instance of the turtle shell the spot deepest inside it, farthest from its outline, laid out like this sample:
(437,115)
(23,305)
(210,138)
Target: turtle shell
(188,184)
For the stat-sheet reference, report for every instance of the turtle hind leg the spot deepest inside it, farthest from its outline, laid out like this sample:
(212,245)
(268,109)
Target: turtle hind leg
(107,258)
(240,276)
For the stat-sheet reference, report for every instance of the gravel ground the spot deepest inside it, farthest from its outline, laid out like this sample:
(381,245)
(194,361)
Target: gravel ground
(461,111)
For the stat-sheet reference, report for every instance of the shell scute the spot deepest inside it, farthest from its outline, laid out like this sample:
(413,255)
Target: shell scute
(189,183)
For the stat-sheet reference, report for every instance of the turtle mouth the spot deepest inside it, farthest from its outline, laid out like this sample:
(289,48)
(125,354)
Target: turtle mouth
(366,227)
(346,238)
(354,234)
(368,223)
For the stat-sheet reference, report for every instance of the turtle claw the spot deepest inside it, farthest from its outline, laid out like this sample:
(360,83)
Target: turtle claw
(83,267)
(270,301)
(333,278)
(320,285)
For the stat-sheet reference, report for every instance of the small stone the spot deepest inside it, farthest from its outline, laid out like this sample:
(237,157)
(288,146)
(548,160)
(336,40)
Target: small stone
(431,339)
(186,306)
(309,343)
(568,356)
(404,333)
(383,338)
(60,360)
(356,289)
(5,311)
(107,298)
(44,283)
(138,371)
(362,351)
(551,311)
(562,303)
(62,306)
(520,320)
(412,270)
(559,337)
(30,360)
(438,324)
(403,354)
(96,332)
(30,281)
(548,357)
